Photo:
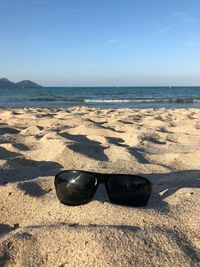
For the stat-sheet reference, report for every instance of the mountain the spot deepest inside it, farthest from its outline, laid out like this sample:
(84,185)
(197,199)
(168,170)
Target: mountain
(27,83)
(5,83)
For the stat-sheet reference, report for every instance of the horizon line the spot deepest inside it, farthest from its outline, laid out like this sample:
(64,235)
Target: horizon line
(115,86)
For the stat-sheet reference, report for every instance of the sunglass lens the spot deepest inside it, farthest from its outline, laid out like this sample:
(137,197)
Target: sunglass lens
(129,190)
(74,187)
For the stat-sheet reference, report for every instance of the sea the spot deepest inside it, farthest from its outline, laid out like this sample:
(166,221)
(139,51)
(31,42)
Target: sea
(101,97)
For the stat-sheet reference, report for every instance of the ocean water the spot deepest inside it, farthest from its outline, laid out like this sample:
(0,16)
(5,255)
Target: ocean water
(101,97)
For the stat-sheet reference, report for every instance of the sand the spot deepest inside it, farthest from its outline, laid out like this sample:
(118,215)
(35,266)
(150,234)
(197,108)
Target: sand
(162,145)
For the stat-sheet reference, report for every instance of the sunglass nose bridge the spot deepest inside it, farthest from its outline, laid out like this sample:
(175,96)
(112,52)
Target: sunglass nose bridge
(102,178)
(101,193)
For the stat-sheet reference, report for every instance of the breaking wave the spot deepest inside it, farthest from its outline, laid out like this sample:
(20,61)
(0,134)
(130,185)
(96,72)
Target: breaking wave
(178,100)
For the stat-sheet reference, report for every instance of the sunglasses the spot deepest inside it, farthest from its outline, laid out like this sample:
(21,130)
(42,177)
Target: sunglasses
(78,187)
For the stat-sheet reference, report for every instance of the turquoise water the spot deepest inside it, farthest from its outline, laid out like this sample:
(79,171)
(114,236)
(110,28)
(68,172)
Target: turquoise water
(102,97)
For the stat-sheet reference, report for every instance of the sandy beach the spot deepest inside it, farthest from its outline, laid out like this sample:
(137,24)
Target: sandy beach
(162,145)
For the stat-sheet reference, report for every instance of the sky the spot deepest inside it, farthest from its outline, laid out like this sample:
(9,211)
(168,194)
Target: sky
(101,42)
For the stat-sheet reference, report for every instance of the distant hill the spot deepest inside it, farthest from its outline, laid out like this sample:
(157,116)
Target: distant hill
(5,83)
(27,83)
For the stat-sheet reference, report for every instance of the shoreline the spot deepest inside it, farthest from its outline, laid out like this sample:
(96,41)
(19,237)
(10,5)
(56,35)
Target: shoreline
(96,108)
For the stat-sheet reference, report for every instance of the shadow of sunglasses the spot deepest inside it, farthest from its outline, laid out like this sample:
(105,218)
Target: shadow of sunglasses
(76,187)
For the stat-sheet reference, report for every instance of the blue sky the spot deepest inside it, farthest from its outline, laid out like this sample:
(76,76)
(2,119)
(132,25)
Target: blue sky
(101,42)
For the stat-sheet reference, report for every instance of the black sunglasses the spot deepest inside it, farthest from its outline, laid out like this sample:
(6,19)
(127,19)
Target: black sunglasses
(78,187)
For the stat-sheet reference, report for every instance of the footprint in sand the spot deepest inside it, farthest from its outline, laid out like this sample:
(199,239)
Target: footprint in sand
(32,130)
(6,154)
(197,126)
(156,139)
(164,129)
(8,130)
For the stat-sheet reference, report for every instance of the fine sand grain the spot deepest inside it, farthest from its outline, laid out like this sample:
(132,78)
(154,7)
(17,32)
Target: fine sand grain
(162,145)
